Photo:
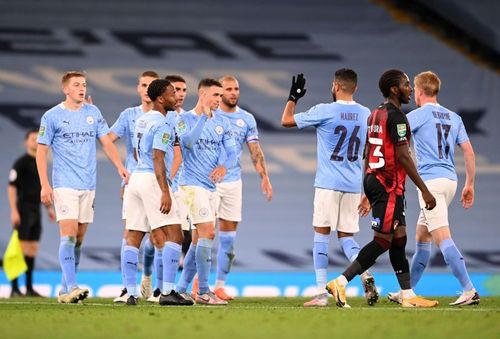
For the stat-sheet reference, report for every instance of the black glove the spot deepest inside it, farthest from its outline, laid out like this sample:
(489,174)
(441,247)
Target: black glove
(297,90)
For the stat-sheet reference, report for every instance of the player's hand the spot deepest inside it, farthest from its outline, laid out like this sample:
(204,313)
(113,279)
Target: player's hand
(124,174)
(15,219)
(51,213)
(205,106)
(364,206)
(297,89)
(47,196)
(218,174)
(430,201)
(166,203)
(467,197)
(89,100)
(267,188)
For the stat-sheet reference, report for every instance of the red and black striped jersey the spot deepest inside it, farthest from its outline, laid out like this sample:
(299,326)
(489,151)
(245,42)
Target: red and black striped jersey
(387,128)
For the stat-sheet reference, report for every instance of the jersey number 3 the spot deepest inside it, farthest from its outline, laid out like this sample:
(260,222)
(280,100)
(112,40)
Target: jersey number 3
(377,152)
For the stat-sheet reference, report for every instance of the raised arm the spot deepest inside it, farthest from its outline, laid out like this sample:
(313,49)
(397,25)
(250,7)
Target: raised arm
(189,138)
(287,119)
(297,91)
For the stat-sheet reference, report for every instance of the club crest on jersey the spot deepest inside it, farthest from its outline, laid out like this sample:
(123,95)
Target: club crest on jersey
(401,128)
(219,130)
(41,132)
(90,120)
(181,126)
(240,123)
(165,138)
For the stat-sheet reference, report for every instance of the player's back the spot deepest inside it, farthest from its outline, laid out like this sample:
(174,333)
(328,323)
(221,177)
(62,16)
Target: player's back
(147,128)
(436,130)
(341,132)
(387,127)
(124,128)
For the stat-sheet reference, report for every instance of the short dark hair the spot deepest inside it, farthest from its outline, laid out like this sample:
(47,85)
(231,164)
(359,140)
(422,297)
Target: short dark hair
(209,82)
(175,78)
(347,78)
(389,79)
(28,133)
(151,74)
(157,87)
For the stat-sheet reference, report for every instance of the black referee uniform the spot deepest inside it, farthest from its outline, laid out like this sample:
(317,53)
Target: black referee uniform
(24,176)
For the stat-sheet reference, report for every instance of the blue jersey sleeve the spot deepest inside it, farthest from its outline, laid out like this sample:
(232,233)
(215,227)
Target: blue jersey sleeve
(462,133)
(312,117)
(163,136)
(102,127)
(120,126)
(191,135)
(46,132)
(252,132)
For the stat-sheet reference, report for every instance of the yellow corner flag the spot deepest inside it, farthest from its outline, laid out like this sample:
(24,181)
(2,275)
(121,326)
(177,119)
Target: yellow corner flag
(13,259)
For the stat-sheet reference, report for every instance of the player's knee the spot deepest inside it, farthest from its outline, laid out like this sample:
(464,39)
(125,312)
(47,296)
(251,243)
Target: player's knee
(399,242)
(384,243)
(210,234)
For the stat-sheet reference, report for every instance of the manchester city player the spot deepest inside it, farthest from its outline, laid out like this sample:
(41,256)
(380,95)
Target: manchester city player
(229,191)
(341,131)
(436,130)
(203,136)
(149,198)
(123,128)
(70,130)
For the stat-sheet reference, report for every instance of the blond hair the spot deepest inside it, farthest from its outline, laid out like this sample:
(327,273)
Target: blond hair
(71,74)
(428,82)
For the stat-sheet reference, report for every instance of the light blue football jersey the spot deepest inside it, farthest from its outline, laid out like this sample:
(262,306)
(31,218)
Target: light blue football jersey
(152,131)
(244,129)
(172,118)
(72,137)
(124,129)
(200,159)
(341,136)
(436,130)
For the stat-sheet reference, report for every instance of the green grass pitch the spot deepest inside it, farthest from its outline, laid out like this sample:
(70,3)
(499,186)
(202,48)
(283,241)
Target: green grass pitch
(256,318)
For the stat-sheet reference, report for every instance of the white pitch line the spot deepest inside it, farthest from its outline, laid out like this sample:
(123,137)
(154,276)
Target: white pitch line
(242,307)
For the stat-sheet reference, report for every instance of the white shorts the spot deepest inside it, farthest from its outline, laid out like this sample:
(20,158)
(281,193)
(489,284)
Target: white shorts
(124,205)
(74,204)
(200,203)
(443,190)
(338,210)
(183,210)
(229,200)
(143,199)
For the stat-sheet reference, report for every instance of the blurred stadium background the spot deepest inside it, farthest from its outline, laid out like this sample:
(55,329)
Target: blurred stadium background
(263,43)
